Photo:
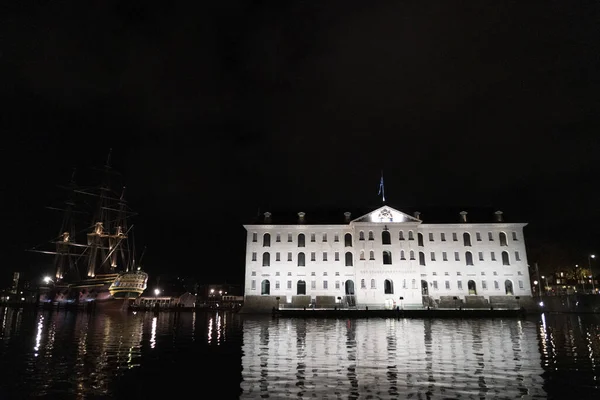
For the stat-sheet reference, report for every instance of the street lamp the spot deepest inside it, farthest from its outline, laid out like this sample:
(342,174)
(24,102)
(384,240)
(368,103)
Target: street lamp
(156,292)
(47,280)
(535,286)
(591,273)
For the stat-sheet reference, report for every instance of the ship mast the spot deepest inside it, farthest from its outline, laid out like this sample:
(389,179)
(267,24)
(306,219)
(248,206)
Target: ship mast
(64,260)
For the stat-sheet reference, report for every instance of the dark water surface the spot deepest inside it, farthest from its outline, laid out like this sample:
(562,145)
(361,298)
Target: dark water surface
(66,355)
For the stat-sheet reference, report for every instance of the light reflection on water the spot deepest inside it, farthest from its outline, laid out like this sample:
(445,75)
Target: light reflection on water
(68,355)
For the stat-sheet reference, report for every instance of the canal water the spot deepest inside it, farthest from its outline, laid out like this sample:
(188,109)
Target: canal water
(220,355)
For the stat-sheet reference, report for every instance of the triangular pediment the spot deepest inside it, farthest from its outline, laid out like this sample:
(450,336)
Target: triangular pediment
(386,215)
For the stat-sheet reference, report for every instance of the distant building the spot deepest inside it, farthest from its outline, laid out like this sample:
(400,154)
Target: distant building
(383,259)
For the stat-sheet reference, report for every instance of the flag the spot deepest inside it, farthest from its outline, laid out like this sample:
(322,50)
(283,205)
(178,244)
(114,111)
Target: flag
(381,189)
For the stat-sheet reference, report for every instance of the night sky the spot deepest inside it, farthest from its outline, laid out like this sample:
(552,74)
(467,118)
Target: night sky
(216,111)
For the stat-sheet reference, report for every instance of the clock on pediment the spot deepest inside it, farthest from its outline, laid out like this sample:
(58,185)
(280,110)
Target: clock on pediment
(385,215)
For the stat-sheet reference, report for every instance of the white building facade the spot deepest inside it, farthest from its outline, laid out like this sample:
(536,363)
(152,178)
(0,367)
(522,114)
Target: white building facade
(383,260)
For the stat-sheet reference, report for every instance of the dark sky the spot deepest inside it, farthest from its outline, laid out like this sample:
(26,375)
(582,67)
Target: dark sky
(216,110)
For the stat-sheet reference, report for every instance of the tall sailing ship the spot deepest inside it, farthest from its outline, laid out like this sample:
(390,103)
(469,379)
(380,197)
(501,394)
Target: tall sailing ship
(95,264)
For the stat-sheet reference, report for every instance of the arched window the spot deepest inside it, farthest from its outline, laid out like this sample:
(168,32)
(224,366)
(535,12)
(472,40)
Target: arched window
(371,237)
(469,258)
(420,239)
(402,257)
(349,287)
(373,284)
(363,284)
(386,238)
(505,259)
(503,239)
(401,235)
(371,255)
(472,287)
(301,288)
(412,254)
(387,257)
(348,259)
(266,259)
(361,235)
(265,287)
(362,254)
(267,240)
(348,240)
(508,287)
(301,260)
(421,258)
(301,240)
(467,239)
(424,288)
(388,287)
(410,235)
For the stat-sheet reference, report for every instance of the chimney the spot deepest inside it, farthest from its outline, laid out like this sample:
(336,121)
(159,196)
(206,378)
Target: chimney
(347,216)
(301,217)
(498,216)
(463,216)
(416,214)
(267,217)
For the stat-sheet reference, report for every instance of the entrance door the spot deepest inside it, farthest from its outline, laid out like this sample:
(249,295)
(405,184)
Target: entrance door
(350,298)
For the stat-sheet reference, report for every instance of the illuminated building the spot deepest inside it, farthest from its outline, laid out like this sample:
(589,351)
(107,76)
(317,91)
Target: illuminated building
(384,259)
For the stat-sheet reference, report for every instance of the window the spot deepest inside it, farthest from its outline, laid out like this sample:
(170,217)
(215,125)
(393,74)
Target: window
(337,284)
(458,273)
(324,256)
(278,256)
(490,236)
(444,256)
(253,256)
(276,284)
(520,284)
(454,237)
(253,286)
(386,237)
(456,256)
(301,260)
(410,235)
(373,284)
(289,237)
(265,287)
(447,285)
(414,283)
(443,236)
(412,254)
(255,237)
(420,239)
(505,260)
(313,237)
(278,237)
(432,256)
(517,256)
(324,273)
(496,285)
(301,240)
(469,258)
(446,273)
(324,237)
(421,258)
(289,256)
(363,285)
(324,284)
(371,237)
(361,235)
(401,235)
(402,257)
(267,240)
(348,240)
(493,256)
(514,236)
(277,273)
(362,254)
(336,238)
(388,287)
(484,285)
(481,256)
(435,286)
(266,259)
(478,236)
(403,283)
(371,255)
(459,285)
(503,239)
(253,273)
(431,237)
(348,259)
(313,256)
(466,239)
(387,257)
(289,285)
(313,284)
(337,256)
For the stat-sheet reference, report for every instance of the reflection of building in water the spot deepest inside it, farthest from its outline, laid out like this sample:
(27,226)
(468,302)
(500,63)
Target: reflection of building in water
(384,259)
(390,358)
